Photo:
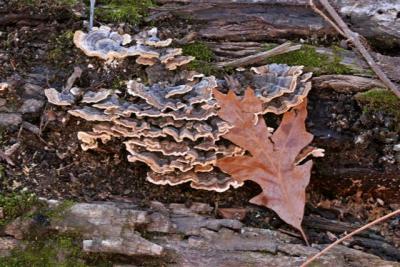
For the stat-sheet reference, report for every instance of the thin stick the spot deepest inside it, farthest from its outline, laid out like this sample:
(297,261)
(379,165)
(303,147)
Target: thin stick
(355,39)
(249,60)
(396,212)
(322,14)
(91,15)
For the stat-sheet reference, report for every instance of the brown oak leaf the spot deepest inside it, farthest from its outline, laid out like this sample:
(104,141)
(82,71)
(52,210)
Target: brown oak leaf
(273,162)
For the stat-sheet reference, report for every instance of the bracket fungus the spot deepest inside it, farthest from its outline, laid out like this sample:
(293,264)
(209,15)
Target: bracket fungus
(108,45)
(171,124)
(279,86)
(68,94)
(59,98)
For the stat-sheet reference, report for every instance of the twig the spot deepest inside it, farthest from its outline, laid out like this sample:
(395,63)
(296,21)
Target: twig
(322,14)
(249,60)
(355,39)
(396,212)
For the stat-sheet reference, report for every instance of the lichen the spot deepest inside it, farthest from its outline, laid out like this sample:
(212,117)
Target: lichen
(131,11)
(311,60)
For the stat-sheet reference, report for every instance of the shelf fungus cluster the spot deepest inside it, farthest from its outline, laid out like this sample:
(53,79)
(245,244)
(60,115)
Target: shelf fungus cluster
(279,86)
(108,45)
(172,127)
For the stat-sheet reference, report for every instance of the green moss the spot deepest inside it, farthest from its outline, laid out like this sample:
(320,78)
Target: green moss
(61,44)
(131,11)
(199,50)
(3,136)
(3,174)
(58,212)
(60,251)
(312,60)
(118,83)
(380,99)
(204,56)
(15,205)
(203,67)
(49,3)
(268,46)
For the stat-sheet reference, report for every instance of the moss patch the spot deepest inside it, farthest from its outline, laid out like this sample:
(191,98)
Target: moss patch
(61,44)
(203,67)
(15,205)
(61,251)
(58,212)
(379,99)
(48,3)
(131,11)
(199,50)
(204,58)
(311,60)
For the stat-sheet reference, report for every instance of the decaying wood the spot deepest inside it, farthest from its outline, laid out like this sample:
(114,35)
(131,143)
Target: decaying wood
(390,65)
(379,246)
(355,39)
(337,242)
(182,235)
(323,224)
(230,51)
(346,83)
(322,14)
(254,59)
(266,19)
(244,20)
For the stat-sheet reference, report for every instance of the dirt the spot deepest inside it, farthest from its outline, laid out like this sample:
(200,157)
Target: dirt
(53,165)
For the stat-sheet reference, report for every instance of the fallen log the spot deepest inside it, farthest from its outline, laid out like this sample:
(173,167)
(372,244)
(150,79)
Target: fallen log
(266,20)
(183,235)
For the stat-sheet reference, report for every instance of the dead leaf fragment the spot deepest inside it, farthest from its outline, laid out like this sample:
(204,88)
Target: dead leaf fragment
(272,163)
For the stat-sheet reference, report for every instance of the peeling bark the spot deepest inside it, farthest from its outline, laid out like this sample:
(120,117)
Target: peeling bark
(178,235)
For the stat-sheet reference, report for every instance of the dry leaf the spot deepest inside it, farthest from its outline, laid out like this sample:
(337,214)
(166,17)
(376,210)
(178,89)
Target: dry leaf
(272,163)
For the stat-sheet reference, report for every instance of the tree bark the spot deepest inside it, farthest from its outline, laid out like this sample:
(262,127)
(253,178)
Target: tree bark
(183,235)
(266,19)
